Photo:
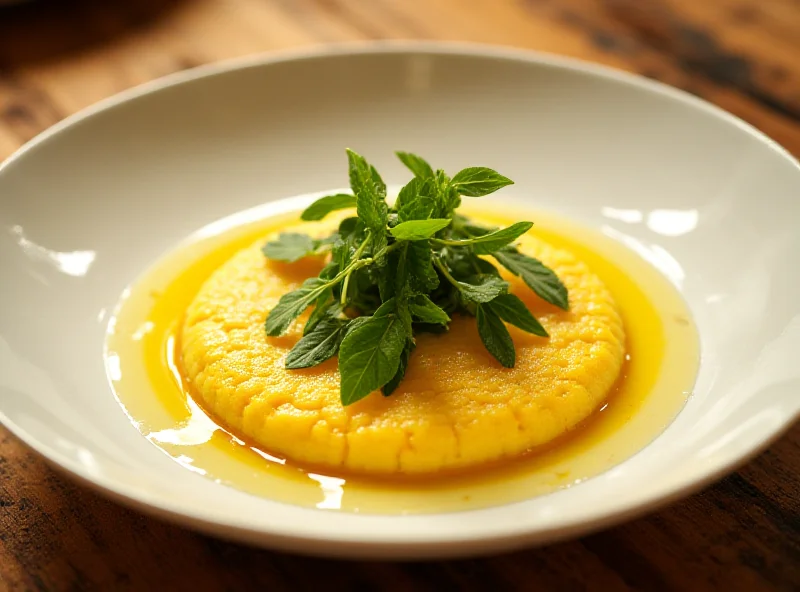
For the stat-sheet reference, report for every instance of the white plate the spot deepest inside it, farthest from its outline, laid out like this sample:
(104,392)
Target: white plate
(86,206)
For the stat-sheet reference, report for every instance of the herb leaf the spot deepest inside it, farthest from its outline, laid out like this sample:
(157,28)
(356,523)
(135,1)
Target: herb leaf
(325,205)
(292,305)
(416,164)
(405,356)
(317,346)
(483,288)
(366,186)
(495,336)
(513,310)
(418,229)
(323,304)
(395,272)
(290,247)
(540,279)
(492,241)
(479,181)
(426,311)
(422,275)
(369,356)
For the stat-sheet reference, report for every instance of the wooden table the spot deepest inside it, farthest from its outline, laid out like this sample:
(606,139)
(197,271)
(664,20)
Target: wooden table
(59,56)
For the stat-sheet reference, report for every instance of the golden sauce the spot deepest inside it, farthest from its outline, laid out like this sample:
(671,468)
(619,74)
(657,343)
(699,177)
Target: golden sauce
(662,360)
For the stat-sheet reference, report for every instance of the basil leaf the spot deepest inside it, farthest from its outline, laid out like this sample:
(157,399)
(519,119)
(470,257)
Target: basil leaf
(418,229)
(483,288)
(369,191)
(325,205)
(291,305)
(369,356)
(416,164)
(496,337)
(491,242)
(317,346)
(290,247)
(540,279)
(479,181)
(405,356)
(424,310)
(513,310)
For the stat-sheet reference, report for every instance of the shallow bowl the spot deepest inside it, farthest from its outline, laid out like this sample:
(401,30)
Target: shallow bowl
(89,204)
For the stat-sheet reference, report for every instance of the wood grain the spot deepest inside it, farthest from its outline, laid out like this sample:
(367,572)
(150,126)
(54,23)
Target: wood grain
(59,56)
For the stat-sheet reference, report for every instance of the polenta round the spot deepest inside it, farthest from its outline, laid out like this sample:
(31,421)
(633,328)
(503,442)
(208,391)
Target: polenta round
(456,408)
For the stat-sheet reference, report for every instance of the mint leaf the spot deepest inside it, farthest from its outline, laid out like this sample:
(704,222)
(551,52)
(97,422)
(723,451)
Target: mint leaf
(292,304)
(495,336)
(380,186)
(447,197)
(415,164)
(369,356)
(387,265)
(418,229)
(513,310)
(317,346)
(419,209)
(479,181)
(422,275)
(405,356)
(540,279)
(424,310)
(325,205)
(489,243)
(369,191)
(483,288)
(321,308)
(289,247)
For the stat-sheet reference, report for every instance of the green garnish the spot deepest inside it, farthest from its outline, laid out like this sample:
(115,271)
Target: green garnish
(398,271)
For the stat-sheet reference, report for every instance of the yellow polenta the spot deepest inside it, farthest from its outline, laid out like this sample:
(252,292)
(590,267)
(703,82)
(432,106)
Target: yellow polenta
(457,406)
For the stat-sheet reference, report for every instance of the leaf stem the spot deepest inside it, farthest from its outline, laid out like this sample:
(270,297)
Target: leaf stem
(356,256)
(443,268)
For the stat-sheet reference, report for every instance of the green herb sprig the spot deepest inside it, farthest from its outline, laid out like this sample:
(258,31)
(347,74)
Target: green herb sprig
(396,271)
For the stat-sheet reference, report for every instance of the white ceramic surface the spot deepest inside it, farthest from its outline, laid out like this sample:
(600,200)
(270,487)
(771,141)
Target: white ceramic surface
(85,207)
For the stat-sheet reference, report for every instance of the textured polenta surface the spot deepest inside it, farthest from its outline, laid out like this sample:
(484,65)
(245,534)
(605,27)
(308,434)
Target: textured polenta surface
(456,408)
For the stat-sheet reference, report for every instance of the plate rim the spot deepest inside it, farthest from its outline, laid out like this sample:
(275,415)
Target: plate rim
(396,545)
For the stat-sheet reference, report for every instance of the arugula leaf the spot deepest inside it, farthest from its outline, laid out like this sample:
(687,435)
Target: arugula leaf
(317,346)
(483,288)
(495,336)
(513,310)
(489,243)
(540,279)
(369,356)
(325,205)
(479,181)
(292,304)
(290,247)
(405,356)
(418,229)
(366,185)
(424,310)
(416,164)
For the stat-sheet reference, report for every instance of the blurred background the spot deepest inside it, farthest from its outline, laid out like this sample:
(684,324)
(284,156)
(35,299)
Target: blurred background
(58,56)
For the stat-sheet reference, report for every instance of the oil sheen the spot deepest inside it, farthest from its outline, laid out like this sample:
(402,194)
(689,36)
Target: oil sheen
(658,375)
